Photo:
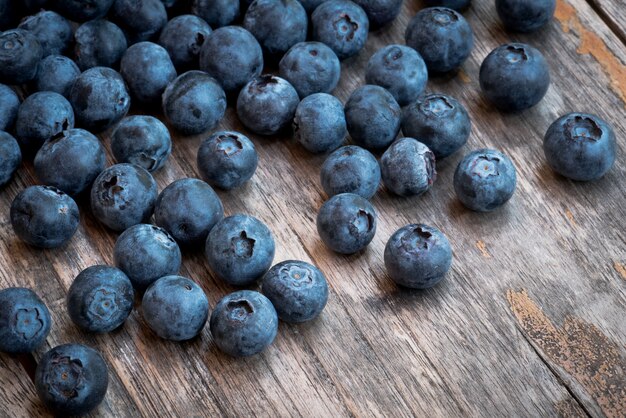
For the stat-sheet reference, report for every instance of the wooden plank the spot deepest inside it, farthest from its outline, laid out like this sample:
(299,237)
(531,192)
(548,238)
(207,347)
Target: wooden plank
(614,15)
(17,391)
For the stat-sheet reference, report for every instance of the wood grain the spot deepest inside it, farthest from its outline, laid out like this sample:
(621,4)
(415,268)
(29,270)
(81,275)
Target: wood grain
(460,349)
(613,13)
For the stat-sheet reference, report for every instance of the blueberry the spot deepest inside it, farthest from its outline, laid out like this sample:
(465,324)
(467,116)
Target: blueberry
(70,161)
(342,25)
(183,37)
(41,116)
(100,299)
(52,30)
(240,249)
(484,180)
(525,15)
(83,10)
(380,12)
(99,98)
(175,308)
(141,20)
(194,103)
(351,169)
(56,73)
(244,323)
(320,123)
(298,290)
(346,223)
(146,253)
(143,141)
(514,77)
(217,13)
(311,67)
(399,69)
(458,5)
(9,105)
(188,209)
(147,70)
(439,121)
(227,159)
(20,52)
(233,56)
(277,24)
(311,5)
(442,36)
(44,217)
(123,195)
(267,104)
(10,157)
(71,379)
(580,146)
(408,167)
(99,43)
(373,117)
(418,256)
(24,321)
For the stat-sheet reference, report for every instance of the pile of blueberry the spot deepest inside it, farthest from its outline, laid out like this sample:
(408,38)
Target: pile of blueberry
(80,63)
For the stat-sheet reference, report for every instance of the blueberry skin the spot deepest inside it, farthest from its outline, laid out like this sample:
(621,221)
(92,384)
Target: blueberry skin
(9,105)
(346,223)
(217,13)
(147,69)
(311,5)
(20,52)
(183,37)
(418,256)
(41,116)
(194,103)
(175,308)
(320,123)
(24,320)
(240,249)
(580,146)
(143,141)
(514,77)
(458,5)
(267,104)
(380,12)
(442,36)
(439,121)
(56,73)
(99,98)
(99,43)
(233,56)
(70,161)
(141,20)
(100,299)
(399,69)
(188,209)
(351,169)
(484,180)
(123,195)
(311,67)
(10,158)
(408,167)
(342,25)
(373,117)
(44,217)
(83,10)
(277,24)
(52,30)
(227,159)
(71,379)
(146,253)
(525,15)
(298,290)
(244,323)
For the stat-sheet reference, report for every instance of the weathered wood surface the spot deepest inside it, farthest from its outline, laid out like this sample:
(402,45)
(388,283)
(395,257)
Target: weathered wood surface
(530,321)
(613,12)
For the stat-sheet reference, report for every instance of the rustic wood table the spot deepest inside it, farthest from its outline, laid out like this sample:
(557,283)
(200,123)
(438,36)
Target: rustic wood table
(531,321)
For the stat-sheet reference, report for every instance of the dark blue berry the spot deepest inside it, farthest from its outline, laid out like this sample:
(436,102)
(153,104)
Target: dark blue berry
(408,167)
(100,299)
(320,123)
(240,249)
(380,12)
(183,37)
(10,157)
(141,140)
(147,70)
(24,321)
(311,67)
(9,105)
(83,10)
(342,25)
(141,20)
(99,43)
(351,169)
(56,73)
(525,15)
(244,323)
(216,13)
(298,290)
(458,5)
(52,30)
(227,159)
(20,53)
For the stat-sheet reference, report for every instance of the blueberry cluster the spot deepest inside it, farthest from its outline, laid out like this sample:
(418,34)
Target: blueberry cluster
(190,59)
